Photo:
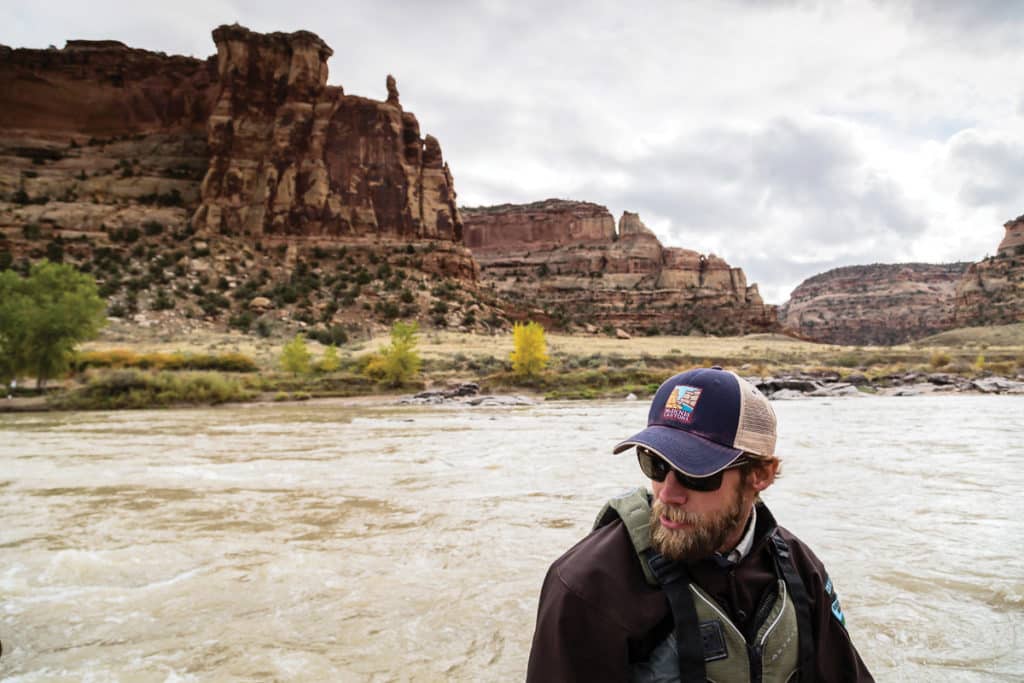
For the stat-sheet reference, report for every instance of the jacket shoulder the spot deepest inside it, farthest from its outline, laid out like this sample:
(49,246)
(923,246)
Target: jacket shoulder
(604,571)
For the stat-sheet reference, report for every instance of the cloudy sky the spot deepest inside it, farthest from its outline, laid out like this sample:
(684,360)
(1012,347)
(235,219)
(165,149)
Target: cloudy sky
(788,137)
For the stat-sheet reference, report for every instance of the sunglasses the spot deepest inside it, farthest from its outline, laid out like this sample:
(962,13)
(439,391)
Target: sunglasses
(656,469)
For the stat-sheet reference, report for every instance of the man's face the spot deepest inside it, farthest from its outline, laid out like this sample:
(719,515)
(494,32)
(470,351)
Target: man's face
(689,525)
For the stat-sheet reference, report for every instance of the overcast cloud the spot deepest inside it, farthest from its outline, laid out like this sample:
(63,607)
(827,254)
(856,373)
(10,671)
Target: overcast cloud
(787,137)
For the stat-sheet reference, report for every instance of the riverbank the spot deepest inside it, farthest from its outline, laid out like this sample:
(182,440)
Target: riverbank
(133,369)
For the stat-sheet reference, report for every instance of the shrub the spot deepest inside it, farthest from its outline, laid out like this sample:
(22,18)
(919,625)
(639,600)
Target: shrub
(329,362)
(295,356)
(530,349)
(242,321)
(134,389)
(939,359)
(163,301)
(398,362)
(335,335)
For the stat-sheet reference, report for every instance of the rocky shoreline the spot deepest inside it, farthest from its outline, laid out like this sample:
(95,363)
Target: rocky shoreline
(831,385)
(467,393)
(781,388)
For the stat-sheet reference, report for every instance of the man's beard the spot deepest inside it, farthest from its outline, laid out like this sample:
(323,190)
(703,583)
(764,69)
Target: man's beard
(707,533)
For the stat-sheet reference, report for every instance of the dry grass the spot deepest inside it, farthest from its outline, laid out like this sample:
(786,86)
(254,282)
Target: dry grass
(755,354)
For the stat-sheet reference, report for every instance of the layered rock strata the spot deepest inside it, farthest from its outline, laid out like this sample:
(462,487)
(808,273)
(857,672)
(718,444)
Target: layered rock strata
(179,173)
(567,261)
(291,155)
(991,292)
(874,304)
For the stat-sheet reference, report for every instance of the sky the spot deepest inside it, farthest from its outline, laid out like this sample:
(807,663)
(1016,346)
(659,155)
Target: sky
(787,137)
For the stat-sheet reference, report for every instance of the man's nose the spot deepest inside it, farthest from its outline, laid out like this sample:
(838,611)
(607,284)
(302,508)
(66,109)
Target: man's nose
(672,491)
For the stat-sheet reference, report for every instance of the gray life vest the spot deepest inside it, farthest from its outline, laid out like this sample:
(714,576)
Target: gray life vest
(707,633)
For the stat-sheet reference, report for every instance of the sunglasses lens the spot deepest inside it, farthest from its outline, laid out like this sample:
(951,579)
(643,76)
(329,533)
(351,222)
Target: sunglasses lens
(653,467)
(656,469)
(712,483)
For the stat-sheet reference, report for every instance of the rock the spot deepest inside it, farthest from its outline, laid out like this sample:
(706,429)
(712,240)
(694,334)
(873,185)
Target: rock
(858,379)
(590,329)
(570,256)
(836,389)
(876,304)
(786,395)
(492,400)
(770,385)
(998,385)
(260,303)
(621,334)
(630,397)
(291,155)
(990,291)
(909,390)
(392,91)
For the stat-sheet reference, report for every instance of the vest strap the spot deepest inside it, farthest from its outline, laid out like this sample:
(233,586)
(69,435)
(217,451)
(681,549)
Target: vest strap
(675,582)
(798,593)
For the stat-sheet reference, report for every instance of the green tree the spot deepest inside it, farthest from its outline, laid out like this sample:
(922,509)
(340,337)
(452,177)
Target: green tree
(329,361)
(398,362)
(295,356)
(530,349)
(43,316)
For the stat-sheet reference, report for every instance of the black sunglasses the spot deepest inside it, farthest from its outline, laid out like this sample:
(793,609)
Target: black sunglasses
(656,469)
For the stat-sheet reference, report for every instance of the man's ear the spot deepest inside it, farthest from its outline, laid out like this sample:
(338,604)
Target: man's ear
(762,475)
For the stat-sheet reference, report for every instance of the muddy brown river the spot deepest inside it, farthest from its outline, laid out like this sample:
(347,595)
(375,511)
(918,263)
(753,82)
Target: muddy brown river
(344,542)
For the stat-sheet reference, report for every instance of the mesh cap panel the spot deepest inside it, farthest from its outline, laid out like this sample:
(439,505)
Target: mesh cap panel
(756,430)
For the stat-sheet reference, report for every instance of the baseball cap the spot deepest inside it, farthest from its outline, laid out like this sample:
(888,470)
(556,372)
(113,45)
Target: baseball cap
(702,420)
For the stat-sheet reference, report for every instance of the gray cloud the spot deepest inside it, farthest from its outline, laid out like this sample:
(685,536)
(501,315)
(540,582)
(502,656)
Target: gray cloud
(991,168)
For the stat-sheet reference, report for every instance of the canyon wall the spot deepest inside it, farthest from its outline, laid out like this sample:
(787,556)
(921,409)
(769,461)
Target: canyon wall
(874,304)
(991,292)
(567,261)
(243,168)
(291,155)
(897,303)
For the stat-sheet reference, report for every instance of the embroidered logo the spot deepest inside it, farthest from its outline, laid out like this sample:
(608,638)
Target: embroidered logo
(837,610)
(681,402)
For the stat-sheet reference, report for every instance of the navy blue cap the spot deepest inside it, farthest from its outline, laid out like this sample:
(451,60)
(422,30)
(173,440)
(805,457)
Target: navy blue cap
(702,420)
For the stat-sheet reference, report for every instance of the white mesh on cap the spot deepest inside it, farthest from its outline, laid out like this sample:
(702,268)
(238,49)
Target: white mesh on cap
(755,432)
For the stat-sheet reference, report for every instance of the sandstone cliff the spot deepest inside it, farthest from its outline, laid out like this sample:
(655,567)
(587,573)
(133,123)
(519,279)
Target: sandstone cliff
(875,304)
(991,292)
(566,261)
(192,187)
(293,156)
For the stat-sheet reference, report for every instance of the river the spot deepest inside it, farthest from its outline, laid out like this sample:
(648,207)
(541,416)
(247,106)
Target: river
(375,542)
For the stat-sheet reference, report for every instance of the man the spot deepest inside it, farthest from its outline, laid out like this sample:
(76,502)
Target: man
(696,581)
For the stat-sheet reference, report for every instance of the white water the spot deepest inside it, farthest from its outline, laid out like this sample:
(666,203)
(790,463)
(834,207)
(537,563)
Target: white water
(330,541)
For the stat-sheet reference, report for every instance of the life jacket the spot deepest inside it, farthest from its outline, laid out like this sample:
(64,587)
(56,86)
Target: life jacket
(705,644)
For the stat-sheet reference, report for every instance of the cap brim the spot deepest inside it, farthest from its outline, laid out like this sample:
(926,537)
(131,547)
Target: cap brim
(691,454)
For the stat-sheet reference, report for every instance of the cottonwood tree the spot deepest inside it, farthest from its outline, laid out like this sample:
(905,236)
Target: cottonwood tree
(43,317)
(529,349)
(398,362)
(295,356)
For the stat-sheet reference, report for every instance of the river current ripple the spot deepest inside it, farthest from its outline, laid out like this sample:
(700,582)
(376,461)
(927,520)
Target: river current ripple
(346,542)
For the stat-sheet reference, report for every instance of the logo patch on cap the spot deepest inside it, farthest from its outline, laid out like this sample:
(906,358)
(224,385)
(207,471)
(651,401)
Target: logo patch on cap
(681,402)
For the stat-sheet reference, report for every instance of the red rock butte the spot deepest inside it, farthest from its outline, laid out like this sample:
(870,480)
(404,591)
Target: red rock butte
(247,146)
(567,261)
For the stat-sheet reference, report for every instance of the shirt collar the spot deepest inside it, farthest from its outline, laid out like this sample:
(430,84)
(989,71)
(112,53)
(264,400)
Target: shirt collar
(742,549)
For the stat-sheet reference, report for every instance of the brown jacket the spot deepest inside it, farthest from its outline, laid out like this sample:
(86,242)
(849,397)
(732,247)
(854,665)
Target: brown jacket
(597,614)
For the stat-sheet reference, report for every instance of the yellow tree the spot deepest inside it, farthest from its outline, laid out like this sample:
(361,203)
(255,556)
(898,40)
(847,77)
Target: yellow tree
(329,361)
(295,356)
(530,349)
(398,362)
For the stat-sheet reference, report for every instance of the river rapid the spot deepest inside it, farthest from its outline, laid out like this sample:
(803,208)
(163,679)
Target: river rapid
(374,542)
